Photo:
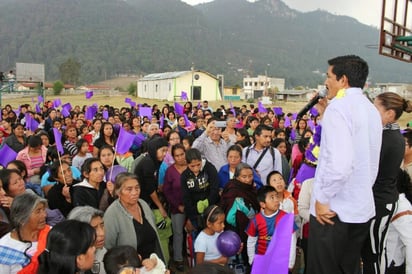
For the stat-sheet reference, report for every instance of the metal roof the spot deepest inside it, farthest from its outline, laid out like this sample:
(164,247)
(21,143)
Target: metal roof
(164,75)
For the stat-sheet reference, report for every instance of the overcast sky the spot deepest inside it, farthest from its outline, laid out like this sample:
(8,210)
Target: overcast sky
(366,11)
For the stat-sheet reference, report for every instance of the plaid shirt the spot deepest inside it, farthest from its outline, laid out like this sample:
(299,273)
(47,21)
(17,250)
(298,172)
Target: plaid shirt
(10,256)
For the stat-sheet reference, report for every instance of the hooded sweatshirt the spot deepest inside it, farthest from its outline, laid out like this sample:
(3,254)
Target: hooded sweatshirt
(148,168)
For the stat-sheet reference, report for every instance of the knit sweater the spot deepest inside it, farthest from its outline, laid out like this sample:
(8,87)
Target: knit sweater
(119,228)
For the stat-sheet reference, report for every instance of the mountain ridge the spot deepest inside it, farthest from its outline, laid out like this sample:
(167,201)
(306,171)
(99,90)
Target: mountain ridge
(231,37)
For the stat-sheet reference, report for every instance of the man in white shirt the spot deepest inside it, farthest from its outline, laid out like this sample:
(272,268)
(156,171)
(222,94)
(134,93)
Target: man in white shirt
(342,202)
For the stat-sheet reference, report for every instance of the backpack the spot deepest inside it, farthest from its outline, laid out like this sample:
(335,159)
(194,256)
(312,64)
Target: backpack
(272,152)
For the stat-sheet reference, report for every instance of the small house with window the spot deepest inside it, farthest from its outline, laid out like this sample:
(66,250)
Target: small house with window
(197,84)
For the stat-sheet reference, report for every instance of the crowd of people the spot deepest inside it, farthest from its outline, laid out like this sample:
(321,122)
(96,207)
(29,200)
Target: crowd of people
(75,200)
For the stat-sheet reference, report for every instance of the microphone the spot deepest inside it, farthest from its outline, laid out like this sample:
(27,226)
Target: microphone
(322,93)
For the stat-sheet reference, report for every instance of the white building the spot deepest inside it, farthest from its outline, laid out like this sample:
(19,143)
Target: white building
(254,87)
(403,89)
(198,85)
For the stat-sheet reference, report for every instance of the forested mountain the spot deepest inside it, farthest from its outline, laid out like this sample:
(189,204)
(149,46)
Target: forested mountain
(230,37)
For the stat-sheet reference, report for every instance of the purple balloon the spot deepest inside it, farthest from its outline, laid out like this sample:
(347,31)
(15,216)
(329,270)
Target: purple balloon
(111,176)
(228,243)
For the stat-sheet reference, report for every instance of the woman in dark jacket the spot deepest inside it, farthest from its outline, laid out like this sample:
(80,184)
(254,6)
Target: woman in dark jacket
(147,172)
(239,202)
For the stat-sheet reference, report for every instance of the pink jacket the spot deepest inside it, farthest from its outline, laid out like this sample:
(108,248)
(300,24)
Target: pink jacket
(23,156)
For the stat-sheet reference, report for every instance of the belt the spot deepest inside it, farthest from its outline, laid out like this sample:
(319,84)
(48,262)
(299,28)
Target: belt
(400,214)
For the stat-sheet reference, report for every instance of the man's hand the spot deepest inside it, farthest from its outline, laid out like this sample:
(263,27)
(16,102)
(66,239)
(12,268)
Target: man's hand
(324,214)
(210,127)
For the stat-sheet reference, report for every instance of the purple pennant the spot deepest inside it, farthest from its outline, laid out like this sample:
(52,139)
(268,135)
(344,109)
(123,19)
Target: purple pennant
(184,95)
(179,108)
(162,121)
(66,108)
(145,111)
(187,122)
(40,99)
(261,108)
(314,112)
(139,139)
(124,142)
(287,122)
(57,102)
(7,155)
(90,112)
(31,123)
(89,94)
(38,110)
(305,172)
(58,140)
(278,111)
(105,114)
(311,124)
(232,109)
(293,135)
(132,104)
(279,248)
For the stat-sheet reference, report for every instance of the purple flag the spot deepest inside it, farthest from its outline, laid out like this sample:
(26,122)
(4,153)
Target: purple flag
(31,123)
(57,102)
(40,99)
(278,111)
(127,100)
(276,258)
(287,121)
(7,155)
(187,122)
(294,116)
(232,109)
(132,104)
(66,109)
(162,121)
(199,106)
(124,142)
(311,125)
(17,111)
(184,95)
(89,94)
(179,108)
(58,140)
(90,112)
(105,114)
(293,134)
(145,111)
(261,108)
(139,139)
(38,110)
(314,112)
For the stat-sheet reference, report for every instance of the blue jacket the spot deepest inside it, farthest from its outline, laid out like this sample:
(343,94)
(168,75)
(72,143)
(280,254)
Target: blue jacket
(223,176)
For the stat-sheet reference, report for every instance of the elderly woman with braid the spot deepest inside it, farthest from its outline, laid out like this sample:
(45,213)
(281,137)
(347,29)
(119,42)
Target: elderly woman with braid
(20,248)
